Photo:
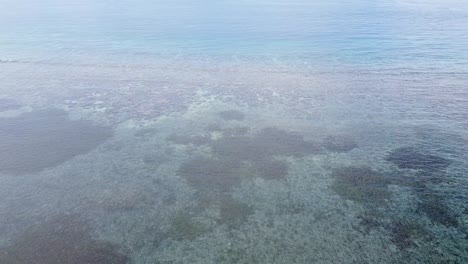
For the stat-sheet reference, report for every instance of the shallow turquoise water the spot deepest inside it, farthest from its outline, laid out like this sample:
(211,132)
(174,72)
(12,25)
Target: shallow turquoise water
(234,131)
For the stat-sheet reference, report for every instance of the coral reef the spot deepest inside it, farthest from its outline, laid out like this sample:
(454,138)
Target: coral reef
(211,174)
(42,139)
(154,159)
(423,177)
(404,232)
(271,169)
(233,213)
(66,239)
(410,158)
(120,198)
(268,142)
(360,184)
(235,156)
(213,127)
(368,221)
(339,143)
(183,227)
(275,141)
(229,115)
(196,140)
(235,131)
(437,211)
(144,132)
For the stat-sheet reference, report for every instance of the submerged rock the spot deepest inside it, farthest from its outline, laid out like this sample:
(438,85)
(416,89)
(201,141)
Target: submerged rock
(410,158)
(339,143)
(66,239)
(229,115)
(360,184)
(37,140)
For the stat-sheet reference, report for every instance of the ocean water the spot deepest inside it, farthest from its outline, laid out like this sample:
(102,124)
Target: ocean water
(245,131)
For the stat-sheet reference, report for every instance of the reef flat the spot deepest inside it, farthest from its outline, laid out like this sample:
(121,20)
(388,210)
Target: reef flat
(182,165)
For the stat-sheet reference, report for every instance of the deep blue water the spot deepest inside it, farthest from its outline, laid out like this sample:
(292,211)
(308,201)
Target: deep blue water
(395,33)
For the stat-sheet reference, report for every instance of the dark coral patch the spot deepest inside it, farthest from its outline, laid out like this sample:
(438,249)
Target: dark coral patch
(154,159)
(266,143)
(339,143)
(229,115)
(280,142)
(368,221)
(196,140)
(405,232)
(211,174)
(145,132)
(235,131)
(410,158)
(239,155)
(437,211)
(360,184)
(62,240)
(233,213)
(38,140)
(235,147)
(272,169)
(213,127)
(424,177)
(184,227)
